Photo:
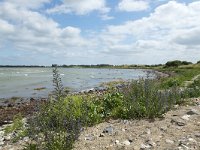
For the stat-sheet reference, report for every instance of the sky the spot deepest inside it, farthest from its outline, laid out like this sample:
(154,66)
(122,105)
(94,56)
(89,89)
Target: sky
(45,32)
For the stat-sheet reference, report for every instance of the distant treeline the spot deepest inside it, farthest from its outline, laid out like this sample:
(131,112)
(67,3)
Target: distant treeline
(107,66)
(20,66)
(174,63)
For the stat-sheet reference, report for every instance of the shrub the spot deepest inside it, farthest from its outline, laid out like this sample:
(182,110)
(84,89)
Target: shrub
(143,99)
(176,63)
(58,122)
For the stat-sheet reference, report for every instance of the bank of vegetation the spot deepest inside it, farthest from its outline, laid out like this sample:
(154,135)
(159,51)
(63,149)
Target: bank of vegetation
(58,122)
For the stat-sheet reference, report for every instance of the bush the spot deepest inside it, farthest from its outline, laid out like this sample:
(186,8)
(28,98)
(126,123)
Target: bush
(143,99)
(176,63)
(58,123)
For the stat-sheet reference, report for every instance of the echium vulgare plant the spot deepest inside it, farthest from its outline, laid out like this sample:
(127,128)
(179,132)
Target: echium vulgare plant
(58,123)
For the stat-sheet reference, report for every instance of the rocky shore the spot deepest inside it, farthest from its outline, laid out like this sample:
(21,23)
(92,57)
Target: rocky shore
(178,129)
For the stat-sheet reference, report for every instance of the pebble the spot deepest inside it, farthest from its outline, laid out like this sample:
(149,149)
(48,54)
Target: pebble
(126,143)
(7,137)
(178,122)
(193,112)
(101,135)
(164,128)
(186,117)
(90,137)
(197,135)
(1,143)
(108,130)
(117,142)
(169,141)
(143,147)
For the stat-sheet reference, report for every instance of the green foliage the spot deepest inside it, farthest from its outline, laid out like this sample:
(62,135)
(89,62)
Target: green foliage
(58,123)
(144,99)
(176,63)
(16,125)
(198,62)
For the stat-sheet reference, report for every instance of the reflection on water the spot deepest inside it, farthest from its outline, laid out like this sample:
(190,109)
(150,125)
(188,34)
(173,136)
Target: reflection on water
(23,81)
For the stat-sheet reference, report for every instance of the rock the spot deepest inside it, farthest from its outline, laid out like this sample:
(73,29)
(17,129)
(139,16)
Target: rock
(185,117)
(151,143)
(90,137)
(176,106)
(169,141)
(1,143)
(197,135)
(192,140)
(164,128)
(144,147)
(148,131)
(178,122)
(7,137)
(26,139)
(101,135)
(108,130)
(193,112)
(126,143)
(117,142)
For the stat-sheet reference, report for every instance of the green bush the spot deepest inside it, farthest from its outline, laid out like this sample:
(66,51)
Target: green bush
(58,123)
(177,63)
(144,99)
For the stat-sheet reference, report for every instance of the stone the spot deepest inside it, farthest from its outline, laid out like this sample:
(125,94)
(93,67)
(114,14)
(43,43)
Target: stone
(169,141)
(178,122)
(90,137)
(1,143)
(148,131)
(192,140)
(193,112)
(108,130)
(117,142)
(126,143)
(123,130)
(185,117)
(197,135)
(151,142)
(7,137)
(101,135)
(164,128)
(144,147)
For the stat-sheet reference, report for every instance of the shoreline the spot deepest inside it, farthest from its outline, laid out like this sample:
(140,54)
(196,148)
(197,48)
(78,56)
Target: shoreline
(9,107)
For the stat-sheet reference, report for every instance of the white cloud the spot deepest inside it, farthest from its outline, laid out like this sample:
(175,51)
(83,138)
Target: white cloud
(33,32)
(171,30)
(133,5)
(80,7)
(28,4)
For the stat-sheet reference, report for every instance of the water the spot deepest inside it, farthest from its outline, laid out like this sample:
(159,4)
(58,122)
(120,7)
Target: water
(21,82)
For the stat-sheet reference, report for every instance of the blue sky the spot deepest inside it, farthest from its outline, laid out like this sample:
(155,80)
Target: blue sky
(43,32)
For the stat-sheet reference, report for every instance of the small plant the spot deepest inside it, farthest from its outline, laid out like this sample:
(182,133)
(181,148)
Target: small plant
(17,127)
(59,121)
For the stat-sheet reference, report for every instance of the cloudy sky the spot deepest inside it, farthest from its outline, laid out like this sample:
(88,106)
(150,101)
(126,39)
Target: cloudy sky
(42,32)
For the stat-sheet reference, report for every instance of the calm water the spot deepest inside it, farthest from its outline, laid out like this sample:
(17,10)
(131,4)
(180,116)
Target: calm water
(22,81)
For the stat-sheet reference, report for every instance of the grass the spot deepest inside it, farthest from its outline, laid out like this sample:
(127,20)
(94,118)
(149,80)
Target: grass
(59,122)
